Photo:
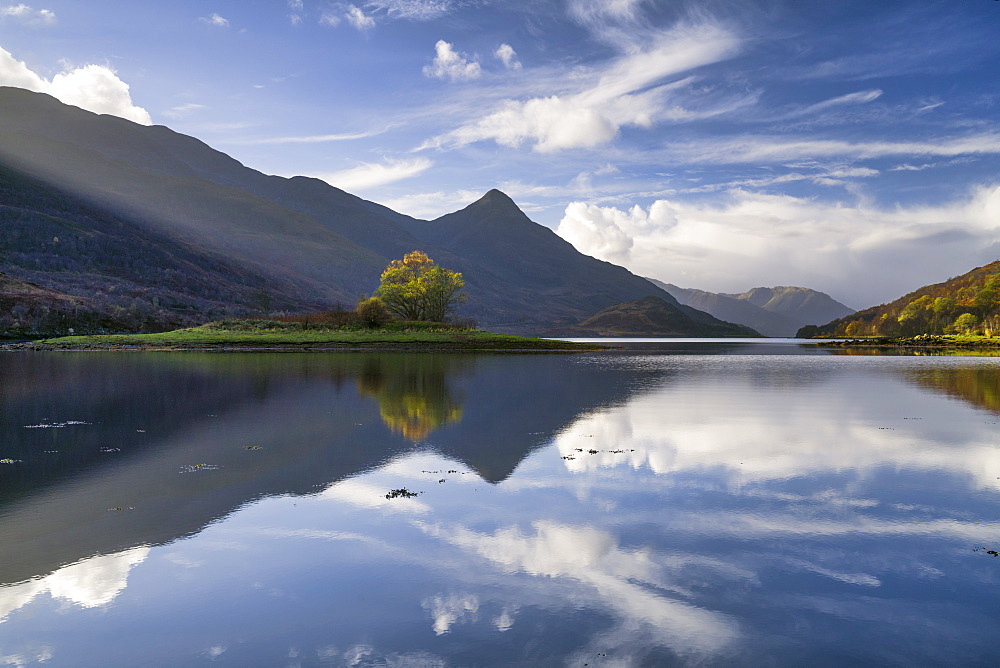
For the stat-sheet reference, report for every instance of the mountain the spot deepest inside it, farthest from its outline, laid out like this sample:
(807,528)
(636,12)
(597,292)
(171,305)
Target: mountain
(655,317)
(290,242)
(779,311)
(966,304)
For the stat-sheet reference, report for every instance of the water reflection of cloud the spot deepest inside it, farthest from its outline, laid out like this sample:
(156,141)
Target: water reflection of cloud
(89,583)
(771,435)
(449,609)
(632,584)
(365,495)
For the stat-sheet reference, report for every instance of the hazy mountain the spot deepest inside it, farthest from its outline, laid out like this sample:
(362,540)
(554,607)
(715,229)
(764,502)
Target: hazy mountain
(810,306)
(654,317)
(779,311)
(295,240)
(969,303)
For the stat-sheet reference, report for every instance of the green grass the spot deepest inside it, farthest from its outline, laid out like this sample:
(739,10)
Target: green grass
(250,334)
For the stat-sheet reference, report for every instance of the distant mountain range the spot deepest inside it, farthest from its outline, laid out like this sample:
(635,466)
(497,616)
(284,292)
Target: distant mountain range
(778,311)
(966,304)
(147,228)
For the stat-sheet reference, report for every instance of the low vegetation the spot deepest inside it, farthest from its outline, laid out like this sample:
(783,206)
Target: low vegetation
(313,334)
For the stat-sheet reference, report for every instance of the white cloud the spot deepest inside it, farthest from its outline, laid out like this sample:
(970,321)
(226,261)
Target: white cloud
(632,583)
(369,175)
(215,20)
(417,10)
(358,19)
(757,239)
(762,149)
(22,12)
(90,583)
(450,65)
(295,5)
(329,19)
(450,610)
(183,110)
(632,91)
(309,139)
(506,54)
(432,205)
(95,88)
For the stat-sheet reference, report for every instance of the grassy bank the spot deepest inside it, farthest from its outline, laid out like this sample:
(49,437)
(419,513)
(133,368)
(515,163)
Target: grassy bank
(291,336)
(936,341)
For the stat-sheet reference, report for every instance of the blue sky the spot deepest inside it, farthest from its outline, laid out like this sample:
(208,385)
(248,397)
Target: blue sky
(852,147)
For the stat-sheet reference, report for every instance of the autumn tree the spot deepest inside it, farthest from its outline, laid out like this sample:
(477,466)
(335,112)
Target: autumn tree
(415,288)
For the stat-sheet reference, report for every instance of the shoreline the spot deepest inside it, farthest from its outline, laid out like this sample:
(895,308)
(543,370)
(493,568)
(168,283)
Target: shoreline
(929,341)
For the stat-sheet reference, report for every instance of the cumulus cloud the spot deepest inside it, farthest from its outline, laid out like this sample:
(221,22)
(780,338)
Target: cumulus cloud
(369,175)
(506,54)
(358,18)
(329,19)
(215,20)
(760,239)
(451,65)
(29,15)
(632,91)
(92,87)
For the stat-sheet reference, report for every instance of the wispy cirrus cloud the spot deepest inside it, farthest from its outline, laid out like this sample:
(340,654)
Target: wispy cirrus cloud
(370,175)
(215,20)
(754,148)
(417,10)
(632,91)
(308,139)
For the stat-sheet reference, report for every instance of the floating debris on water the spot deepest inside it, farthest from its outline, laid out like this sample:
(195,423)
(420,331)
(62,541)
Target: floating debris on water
(54,425)
(983,549)
(442,480)
(122,508)
(401,493)
(252,447)
(592,452)
(140,431)
(198,467)
(8,460)
(569,457)
(111,449)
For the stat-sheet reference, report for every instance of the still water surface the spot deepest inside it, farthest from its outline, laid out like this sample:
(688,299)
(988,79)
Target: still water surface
(668,504)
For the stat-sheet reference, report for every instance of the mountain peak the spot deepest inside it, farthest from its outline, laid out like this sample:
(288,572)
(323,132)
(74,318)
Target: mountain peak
(497,200)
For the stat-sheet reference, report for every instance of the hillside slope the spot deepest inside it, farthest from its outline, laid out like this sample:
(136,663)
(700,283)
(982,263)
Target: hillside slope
(652,317)
(966,304)
(303,240)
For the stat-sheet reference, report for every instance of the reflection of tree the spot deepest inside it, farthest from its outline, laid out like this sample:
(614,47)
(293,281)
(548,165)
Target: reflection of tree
(978,386)
(412,391)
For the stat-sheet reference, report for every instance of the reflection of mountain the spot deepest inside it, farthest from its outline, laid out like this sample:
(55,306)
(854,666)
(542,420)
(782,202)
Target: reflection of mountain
(172,442)
(978,386)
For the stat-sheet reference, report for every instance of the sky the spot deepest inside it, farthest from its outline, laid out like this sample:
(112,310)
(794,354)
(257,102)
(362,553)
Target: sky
(847,146)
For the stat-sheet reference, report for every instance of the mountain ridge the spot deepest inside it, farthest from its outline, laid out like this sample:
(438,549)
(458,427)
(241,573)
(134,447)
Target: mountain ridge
(304,240)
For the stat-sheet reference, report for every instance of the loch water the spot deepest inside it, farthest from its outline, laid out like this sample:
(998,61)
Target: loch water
(668,503)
